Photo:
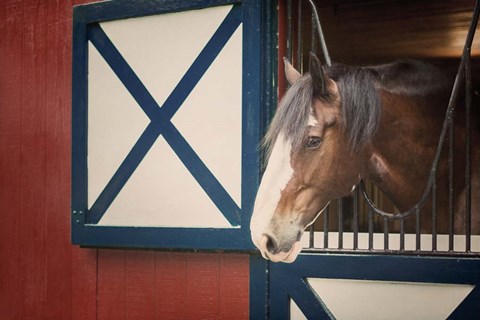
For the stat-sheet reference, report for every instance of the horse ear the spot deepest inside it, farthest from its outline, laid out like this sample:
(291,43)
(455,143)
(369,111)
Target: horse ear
(319,79)
(291,73)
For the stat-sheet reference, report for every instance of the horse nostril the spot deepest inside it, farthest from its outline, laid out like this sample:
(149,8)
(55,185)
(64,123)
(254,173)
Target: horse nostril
(271,244)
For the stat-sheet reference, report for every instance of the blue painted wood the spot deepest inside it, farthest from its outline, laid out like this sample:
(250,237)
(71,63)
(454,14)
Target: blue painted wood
(123,9)
(308,301)
(287,279)
(284,288)
(86,232)
(383,267)
(252,125)
(170,238)
(264,14)
(259,288)
(79,127)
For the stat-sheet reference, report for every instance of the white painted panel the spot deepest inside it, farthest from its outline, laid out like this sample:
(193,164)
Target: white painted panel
(162,192)
(161,48)
(359,299)
(115,122)
(295,312)
(394,241)
(211,117)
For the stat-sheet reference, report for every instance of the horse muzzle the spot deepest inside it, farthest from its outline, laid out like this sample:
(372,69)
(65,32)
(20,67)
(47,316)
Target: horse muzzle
(276,250)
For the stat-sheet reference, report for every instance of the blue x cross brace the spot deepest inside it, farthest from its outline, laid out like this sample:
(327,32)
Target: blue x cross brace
(161,119)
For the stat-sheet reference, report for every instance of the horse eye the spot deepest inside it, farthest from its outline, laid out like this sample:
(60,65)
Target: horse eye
(312,142)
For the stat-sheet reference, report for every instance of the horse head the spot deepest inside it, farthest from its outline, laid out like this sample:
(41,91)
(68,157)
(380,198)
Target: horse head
(311,161)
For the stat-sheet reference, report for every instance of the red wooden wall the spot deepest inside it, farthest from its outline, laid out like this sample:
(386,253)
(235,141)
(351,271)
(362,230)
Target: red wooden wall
(42,276)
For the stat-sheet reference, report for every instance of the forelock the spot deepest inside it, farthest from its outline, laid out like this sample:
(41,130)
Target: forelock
(292,114)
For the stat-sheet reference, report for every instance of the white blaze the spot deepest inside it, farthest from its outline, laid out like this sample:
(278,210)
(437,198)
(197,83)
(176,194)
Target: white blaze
(277,174)
(312,121)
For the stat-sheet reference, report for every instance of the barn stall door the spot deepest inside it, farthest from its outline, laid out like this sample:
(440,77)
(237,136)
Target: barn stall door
(350,274)
(166,123)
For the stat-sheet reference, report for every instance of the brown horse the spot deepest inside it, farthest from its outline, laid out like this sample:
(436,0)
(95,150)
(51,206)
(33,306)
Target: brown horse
(338,125)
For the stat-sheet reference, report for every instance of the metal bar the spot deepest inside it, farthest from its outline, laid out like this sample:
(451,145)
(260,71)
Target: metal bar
(311,240)
(451,221)
(434,215)
(299,37)
(402,235)
(340,223)
(370,230)
(355,219)
(385,234)
(468,165)
(418,230)
(326,213)
(314,35)
(458,254)
(321,37)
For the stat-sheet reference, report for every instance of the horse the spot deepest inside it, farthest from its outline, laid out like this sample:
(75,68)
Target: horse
(337,125)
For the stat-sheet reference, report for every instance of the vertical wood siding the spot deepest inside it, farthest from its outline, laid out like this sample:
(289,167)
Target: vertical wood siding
(43,276)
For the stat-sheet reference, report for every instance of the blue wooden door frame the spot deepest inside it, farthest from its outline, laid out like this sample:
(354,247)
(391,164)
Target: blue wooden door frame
(288,281)
(86,27)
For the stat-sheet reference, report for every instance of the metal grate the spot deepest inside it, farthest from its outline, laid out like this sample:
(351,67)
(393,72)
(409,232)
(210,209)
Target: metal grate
(352,224)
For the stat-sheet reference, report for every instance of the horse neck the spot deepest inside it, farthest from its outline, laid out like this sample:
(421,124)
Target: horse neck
(402,151)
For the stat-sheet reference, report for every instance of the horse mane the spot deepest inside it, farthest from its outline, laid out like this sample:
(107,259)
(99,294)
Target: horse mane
(361,106)
(412,78)
(359,95)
